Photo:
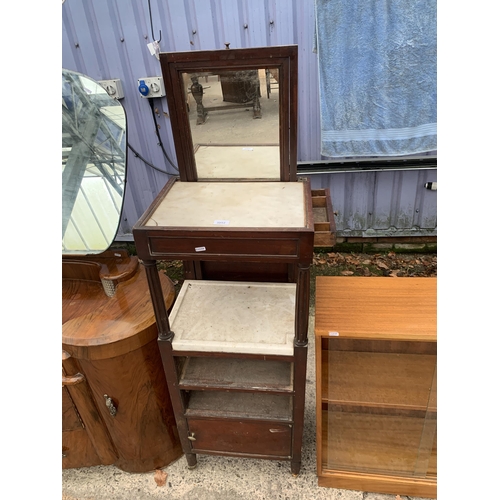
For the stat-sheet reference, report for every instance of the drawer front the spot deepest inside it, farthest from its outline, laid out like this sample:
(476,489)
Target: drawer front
(251,438)
(203,247)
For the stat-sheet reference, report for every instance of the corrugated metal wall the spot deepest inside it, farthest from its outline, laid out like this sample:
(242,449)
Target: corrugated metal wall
(107,39)
(382,203)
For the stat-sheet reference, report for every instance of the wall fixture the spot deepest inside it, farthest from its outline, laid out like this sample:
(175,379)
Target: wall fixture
(114,88)
(150,87)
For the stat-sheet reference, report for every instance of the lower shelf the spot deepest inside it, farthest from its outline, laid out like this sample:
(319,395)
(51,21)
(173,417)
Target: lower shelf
(235,373)
(379,444)
(393,485)
(239,405)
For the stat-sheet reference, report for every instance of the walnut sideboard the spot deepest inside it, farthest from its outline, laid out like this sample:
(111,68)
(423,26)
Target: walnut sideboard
(116,405)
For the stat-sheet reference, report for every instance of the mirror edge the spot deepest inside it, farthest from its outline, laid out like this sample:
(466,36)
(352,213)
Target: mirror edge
(120,215)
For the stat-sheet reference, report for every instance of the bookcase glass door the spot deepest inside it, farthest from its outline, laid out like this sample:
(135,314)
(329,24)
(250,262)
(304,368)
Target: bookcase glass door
(379,407)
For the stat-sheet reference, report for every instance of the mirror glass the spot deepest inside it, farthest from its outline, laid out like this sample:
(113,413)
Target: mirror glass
(234,123)
(93,165)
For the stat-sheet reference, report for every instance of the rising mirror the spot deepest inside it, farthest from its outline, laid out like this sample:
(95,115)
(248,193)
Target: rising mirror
(231,112)
(94,140)
(234,123)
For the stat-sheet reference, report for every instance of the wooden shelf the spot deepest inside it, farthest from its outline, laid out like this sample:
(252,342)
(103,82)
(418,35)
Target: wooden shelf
(243,405)
(236,374)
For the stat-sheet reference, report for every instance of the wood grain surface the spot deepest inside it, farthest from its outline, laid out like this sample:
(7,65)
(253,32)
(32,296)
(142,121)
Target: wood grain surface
(111,351)
(376,407)
(143,430)
(376,307)
(96,326)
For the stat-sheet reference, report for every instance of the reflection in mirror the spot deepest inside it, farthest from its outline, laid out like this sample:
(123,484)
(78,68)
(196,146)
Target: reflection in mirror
(234,121)
(93,165)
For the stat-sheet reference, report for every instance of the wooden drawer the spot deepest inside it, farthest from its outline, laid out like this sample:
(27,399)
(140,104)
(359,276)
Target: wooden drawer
(263,439)
(324,218)
(206,246)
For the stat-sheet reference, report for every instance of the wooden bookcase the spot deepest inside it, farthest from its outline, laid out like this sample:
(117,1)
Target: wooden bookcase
(376,384)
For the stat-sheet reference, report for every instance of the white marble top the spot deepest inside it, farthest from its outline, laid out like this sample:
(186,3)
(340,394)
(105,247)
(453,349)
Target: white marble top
(234,317)
(232,204)
(236,162)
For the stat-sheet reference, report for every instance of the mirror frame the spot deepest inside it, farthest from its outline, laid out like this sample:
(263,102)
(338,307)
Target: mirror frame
(174,64)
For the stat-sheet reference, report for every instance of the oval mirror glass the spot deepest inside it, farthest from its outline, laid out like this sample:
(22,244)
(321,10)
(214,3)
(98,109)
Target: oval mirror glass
(94,153)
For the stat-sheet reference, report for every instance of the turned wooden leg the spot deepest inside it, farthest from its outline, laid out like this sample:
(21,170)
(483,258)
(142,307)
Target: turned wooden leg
(191,460)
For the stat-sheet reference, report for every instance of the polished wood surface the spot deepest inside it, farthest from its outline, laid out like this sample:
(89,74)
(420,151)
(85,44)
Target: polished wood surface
(96,326)
(85,407)
(112,370)
(143,429)
(376,308)
(77,448)
(379,482)
(116,265)
(376,405)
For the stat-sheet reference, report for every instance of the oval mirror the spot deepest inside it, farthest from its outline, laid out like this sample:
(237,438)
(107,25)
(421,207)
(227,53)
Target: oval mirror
(94,154)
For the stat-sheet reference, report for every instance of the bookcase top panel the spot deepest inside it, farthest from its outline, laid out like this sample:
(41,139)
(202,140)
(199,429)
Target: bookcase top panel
(376,308)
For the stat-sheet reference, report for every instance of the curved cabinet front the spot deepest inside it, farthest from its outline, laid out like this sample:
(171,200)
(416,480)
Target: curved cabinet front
(114,377)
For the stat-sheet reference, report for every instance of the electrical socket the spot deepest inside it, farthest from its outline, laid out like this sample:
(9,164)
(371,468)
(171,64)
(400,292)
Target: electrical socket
(113,88)
(150,87)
